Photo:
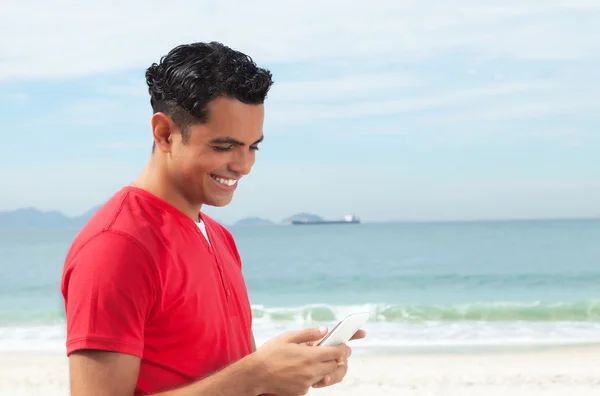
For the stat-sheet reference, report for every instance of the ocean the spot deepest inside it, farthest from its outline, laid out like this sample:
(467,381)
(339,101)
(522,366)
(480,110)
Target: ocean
(427,286)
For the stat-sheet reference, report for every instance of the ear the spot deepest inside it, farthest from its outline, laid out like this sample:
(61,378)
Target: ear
(163,128)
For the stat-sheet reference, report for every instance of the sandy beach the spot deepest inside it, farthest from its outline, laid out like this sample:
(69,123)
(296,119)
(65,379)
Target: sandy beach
(561,371)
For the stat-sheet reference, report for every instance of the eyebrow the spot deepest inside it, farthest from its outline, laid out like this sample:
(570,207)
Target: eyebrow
(230,140)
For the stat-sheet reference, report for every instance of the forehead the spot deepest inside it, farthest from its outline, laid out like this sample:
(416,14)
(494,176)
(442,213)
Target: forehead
(233,118)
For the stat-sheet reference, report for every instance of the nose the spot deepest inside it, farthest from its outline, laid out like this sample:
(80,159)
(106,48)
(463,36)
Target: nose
(243,162)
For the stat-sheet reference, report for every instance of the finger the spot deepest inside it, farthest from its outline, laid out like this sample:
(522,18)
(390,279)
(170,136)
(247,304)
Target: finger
(322,383)
(328,353)
(335,377)
(305,335)
(345,351)
(325,368)
(358,335)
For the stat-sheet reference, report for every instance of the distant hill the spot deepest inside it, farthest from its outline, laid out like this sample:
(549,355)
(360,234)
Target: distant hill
(253,221)
(32,218)
(303,217)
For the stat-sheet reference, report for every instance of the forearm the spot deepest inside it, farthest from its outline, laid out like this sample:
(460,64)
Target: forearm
(238,379)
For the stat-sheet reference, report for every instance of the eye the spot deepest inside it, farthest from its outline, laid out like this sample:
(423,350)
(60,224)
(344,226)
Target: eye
(221,149)
(254,148)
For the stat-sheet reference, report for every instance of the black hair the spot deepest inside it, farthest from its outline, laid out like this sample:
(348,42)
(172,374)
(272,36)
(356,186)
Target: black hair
(190,76)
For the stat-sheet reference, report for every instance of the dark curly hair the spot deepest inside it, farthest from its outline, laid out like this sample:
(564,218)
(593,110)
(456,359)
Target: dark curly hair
(191,75)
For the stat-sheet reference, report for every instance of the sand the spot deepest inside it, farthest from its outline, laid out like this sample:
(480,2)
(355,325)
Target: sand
(564,371)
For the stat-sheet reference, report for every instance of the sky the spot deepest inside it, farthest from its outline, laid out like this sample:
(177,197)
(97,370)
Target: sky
(392,110)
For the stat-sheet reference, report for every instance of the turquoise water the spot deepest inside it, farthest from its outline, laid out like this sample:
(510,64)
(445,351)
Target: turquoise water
(426,285)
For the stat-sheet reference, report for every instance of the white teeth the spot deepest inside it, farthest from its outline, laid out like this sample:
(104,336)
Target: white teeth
(227,182)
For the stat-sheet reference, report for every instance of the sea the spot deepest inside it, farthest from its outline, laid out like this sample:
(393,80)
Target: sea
(455,286)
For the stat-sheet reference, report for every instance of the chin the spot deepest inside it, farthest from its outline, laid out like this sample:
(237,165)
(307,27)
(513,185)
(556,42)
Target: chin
(218,202)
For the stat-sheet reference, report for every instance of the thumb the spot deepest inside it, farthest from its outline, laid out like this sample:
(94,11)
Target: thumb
(306,335)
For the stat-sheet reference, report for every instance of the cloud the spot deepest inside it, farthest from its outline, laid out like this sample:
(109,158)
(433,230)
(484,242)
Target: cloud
(307,101)
(380,58)
(345,87)
(443,65)
(51,40)
(517,111)
(307,88)
(287,112)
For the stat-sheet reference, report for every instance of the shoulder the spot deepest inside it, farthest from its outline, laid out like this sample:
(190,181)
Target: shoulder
(115,235)
(111,255)
(129,216)
(107,244)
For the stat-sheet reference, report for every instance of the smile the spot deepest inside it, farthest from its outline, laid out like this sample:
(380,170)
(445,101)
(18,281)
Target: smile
(223,181)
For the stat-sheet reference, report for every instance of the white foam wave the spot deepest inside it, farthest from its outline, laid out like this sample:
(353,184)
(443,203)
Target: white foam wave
(270,322)
(35,338)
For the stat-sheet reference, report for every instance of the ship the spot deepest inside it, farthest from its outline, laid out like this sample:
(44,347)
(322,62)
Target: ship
(348,219)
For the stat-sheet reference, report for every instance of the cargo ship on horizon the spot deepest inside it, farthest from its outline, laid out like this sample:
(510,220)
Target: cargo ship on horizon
(348,219)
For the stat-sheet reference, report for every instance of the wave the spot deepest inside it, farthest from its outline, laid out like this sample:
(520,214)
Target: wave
(501,312)
(484,324)
(537,311)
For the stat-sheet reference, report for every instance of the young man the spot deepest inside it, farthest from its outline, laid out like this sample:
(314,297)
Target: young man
(154,295)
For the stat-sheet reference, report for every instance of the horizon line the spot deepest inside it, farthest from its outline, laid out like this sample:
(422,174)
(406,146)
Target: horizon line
(404,221)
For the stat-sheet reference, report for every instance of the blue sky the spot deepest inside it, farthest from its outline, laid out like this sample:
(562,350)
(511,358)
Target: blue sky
(394,110)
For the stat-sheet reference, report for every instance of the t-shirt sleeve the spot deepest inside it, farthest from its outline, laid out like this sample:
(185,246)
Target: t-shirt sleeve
(109,289)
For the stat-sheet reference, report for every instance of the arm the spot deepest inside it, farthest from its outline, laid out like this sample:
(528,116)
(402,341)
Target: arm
(100,373)
(285,365)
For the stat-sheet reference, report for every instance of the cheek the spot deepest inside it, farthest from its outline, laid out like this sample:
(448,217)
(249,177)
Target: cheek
(184,166)
(197,166)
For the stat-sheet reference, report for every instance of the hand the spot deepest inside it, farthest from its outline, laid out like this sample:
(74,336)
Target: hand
(357,336)
(342,367)
(289,367)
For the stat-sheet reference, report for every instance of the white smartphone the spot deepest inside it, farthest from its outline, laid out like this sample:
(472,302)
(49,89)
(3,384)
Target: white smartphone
(345,329)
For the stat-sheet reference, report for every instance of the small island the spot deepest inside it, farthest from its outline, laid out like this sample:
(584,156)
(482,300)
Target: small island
(253,221)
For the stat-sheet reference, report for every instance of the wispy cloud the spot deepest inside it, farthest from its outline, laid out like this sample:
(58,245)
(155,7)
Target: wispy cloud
(345,87)
(286,112)
(72,38)
(81,112)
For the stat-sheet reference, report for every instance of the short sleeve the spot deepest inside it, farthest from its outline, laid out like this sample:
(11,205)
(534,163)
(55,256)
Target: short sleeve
(109,290)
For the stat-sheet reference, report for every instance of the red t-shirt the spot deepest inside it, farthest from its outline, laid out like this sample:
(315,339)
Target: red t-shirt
(140,278)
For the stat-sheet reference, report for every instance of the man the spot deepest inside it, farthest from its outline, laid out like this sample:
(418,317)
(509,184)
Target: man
(154,295)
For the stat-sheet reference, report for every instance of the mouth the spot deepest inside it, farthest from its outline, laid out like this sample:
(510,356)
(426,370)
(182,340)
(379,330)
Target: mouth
(225,182)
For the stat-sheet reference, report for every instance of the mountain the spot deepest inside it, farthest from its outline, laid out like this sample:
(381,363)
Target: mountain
(32,218)
(253,221)
(302,216)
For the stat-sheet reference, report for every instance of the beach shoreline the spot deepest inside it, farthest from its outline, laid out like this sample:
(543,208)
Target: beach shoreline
(549,371)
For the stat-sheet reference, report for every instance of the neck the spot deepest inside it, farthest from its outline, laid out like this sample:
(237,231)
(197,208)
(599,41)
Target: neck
(156,181)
